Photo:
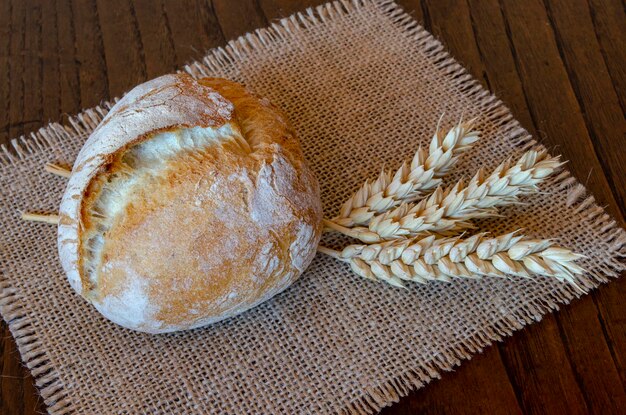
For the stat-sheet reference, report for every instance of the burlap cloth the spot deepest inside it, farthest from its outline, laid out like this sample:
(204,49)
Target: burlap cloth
(363,85)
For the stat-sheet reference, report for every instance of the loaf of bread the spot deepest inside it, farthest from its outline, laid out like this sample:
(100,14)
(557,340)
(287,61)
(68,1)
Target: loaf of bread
(190,203)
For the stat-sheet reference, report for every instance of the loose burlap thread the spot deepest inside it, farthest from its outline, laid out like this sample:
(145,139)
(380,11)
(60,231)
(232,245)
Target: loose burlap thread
(363,85)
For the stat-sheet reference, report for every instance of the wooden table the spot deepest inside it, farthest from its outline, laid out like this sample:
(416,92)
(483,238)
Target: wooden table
(560,65)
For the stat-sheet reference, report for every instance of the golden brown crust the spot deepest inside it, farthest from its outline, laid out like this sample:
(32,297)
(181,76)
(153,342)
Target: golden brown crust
(214,231)
(162,223)
(261,123)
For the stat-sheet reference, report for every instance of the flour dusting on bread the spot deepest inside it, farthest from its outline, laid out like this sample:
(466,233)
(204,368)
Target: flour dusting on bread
(141,163)
(190,203)
(132,306)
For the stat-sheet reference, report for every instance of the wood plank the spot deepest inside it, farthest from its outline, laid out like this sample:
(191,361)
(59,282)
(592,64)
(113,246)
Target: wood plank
(276,9)
(12,380)
(158,47)
(546,63)
(539,368)
(477,386)
(495,51)
(515,83)
(594,367)
(550,96)
(5,63)
(123,50)
(609,19)
(194,29)
(18,394)
(69,80)
(32,399)
(452,17)
(585,310)
(450,22)
(604,117)
(50,55)
(16,69)
(593,88)
(238,17)
(32,112)
(610,302)
(93,82)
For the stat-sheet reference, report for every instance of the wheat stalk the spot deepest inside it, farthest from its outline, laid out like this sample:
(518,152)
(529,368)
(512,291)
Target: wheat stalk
(425,259)
(411,180)
(447,211)
(48,218)
(58,170)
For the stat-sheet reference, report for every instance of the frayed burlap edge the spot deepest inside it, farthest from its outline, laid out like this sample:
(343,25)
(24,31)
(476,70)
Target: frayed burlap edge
(14,311)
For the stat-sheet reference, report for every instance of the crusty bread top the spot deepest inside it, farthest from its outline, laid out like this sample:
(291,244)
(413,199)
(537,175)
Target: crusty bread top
(176,221)
(163,103)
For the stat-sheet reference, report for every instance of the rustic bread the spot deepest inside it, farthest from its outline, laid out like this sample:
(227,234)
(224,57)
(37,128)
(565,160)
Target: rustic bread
(190,203)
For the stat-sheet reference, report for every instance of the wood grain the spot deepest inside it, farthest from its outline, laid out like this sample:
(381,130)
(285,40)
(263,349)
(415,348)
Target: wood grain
(609,25)
(560,65)
(123,51)
(69,79)
(156,38)
(5,59)
(194,29)
(238,20)
(93,81)
(50,71)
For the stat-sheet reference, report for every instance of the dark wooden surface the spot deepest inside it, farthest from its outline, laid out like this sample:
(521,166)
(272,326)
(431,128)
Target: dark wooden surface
(560,65)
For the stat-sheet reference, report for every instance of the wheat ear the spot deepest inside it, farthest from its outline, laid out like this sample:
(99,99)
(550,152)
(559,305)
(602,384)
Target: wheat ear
(425,259)
(447,211)
(412,180)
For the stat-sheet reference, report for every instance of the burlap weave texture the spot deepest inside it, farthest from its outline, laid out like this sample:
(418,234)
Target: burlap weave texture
(363,85)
